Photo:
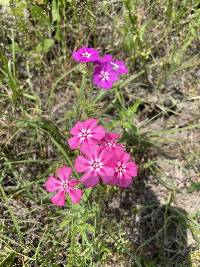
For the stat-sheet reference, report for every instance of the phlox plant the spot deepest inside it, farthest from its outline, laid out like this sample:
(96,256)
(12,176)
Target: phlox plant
(101,158)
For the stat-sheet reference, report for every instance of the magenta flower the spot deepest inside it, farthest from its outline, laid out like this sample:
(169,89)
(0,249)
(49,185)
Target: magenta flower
(109,142)
(119,67)
(86,132)
(104,76)
(95,164)
(63,185)
(124,170)
(85,54)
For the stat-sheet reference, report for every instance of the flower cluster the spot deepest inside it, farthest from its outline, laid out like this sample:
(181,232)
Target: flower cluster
(102,159)
(107,70)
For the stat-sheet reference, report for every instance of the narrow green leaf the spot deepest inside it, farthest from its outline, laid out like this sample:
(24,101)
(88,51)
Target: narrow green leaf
(9,260)
(55,11)
(169,10)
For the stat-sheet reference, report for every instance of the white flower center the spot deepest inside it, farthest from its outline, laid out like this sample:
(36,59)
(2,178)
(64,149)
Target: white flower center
(85,134)
(114,65)
(96,165)
(65,185)
(110,144)
(86,55)
(104,75)
(120,168)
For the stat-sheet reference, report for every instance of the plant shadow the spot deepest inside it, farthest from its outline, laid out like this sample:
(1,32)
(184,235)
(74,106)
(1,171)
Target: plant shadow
(157,233)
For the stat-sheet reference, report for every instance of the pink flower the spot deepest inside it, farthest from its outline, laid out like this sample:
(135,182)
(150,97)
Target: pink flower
(124,170)
(95,164)
(104,76)
(109,142)
(85,54)
(63,185)
(86,132)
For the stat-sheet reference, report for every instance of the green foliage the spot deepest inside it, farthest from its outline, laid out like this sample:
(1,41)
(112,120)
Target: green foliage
(8,71)
(134,35)
(55,11)
(194,187)
(127,116)
(169,10)
(79,223)
(44,46)
(39,16)
(9,260)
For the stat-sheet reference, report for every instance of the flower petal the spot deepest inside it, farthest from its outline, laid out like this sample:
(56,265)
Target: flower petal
(74,182)
(113,135)
(89,150)
(99,133)
(75,195)
(131,168)
(81,164)
(105,85)
(125,181)
(90,123)
(52,184)
(106,58)
(59,199)
(64,173)
(74,142)
(114,181)
(77,128)
(106,174)
(125,157)
(76,56)
(122,68)
(107,157)
(89,179)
